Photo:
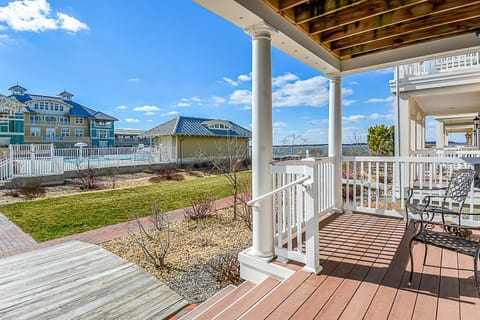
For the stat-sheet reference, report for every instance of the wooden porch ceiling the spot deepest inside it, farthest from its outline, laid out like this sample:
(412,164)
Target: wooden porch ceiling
(354,28)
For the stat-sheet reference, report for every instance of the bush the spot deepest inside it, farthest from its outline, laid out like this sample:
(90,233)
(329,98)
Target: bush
(201,206)
(225,267)
(32,190)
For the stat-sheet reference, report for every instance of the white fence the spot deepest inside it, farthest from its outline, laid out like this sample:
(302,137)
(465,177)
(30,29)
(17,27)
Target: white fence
(298,207)
(44,159)
(380,184)
(464,152)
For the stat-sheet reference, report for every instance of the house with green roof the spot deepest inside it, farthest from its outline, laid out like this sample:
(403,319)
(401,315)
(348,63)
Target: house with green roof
(60,120)
(188,138)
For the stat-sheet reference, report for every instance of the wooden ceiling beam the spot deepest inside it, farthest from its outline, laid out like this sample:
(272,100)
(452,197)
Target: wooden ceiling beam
(357,12)
(366,25)
(320,9)
(397,15)
(427,34)
(289,4)
(466,13)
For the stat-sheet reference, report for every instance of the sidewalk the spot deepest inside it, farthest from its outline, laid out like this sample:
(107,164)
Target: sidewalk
(14,241)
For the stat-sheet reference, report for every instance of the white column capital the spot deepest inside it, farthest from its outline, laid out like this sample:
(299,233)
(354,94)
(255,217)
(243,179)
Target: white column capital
(260,30)
(334,77)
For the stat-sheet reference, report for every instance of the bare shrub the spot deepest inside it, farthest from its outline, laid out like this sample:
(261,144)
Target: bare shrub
(201,206)
(245,212)
(155,242)
(113,175)
(31,190)
(167,171)
(225,267)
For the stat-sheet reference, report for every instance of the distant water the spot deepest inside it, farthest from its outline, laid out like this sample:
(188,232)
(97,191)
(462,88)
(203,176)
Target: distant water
(318,150)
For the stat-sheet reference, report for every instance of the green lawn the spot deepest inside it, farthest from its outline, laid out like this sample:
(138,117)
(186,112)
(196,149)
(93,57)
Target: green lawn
(53,218)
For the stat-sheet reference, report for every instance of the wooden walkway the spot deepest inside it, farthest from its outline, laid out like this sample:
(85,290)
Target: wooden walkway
(365,276)
(76,280)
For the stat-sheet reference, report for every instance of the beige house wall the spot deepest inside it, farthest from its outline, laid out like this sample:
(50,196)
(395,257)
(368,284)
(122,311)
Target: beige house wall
(191,148)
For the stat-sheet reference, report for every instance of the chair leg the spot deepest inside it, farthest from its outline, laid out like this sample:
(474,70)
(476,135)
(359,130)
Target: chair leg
(411,262)
(425,255)
(475,268)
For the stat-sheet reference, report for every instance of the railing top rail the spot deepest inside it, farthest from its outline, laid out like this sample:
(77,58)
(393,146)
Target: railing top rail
(406,159)
(254,202)
(302,162)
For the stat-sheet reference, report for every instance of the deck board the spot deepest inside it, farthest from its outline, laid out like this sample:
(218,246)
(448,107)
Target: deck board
(78,280)
(366,271)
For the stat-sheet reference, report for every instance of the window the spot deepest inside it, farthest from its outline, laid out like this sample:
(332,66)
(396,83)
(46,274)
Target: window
(56,106)
(61,108)
(64,121)
(78,120)
(102,134)
(78,132)
(35,132)
(50,120)
(41,105)
(34,119)
(51,132)
(65,132)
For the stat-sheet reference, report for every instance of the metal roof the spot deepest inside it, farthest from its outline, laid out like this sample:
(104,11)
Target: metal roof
(190,126)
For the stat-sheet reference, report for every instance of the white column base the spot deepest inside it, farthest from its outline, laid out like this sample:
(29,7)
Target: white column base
(313,271)
(256,269)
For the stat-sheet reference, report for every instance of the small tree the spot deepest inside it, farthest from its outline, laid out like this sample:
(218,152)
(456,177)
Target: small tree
(154,242)
(381,139)
(230,159)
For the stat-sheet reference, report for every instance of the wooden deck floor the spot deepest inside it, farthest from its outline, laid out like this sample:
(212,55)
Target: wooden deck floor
(76,280)
(365,276)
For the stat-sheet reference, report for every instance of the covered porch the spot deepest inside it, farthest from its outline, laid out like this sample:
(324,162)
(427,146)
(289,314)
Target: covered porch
(338,39)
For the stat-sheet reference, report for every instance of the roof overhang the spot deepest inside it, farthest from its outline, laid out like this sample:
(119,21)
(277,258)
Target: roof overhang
(298,43)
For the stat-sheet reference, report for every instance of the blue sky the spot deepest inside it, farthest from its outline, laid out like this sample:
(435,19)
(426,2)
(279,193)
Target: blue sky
(145,63)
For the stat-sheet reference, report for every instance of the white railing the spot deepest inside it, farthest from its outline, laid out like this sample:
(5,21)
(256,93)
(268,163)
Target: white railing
(461,152)
(30,160)
(380,184)
(83,158)
(298,206)
(440,65)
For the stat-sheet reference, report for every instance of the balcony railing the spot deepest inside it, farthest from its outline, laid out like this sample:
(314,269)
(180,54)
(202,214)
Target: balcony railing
(302,192)
(445,64)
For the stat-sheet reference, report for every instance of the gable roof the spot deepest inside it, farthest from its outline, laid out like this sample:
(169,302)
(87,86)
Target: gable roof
(190,126)
(76,109)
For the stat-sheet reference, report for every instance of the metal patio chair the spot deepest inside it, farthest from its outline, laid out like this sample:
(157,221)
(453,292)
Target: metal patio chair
(454,236)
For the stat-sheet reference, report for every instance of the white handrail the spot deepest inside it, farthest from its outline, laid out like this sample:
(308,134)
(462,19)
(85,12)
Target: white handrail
(271,193)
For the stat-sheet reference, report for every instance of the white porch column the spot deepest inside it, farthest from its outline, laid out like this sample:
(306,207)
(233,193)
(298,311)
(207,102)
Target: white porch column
(262,140)
(440,135)
(335,137)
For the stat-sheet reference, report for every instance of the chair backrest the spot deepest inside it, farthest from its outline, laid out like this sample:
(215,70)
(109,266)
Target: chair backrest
(460,184)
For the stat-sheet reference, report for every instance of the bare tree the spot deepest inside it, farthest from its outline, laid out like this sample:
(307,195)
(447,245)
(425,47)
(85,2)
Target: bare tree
(155,242)
(291,139)
(230,159)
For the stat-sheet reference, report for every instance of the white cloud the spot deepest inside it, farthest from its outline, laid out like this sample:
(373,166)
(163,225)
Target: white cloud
(132,120)
(243,97)
(241,78)
(149,113)
(310,92)
(35,16)
(146,109)
(134,79)
(218,100)
(183,104)
(3,36)
(244,77)
(386,71)
(279,124)
(71,24)
(246,108)
(171,113)
(353,83)
(282,80)
(321,121)
(187,102)
(121,107)
(149,120)
(348,102)
(380,100)
(373,116)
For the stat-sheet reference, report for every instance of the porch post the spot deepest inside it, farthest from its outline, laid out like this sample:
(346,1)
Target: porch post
(335,137)
(440,135)
(262,153)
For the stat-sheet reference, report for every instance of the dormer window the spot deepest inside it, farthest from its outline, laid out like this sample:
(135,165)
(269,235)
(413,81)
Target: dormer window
(17,90)
(217,125)
(67,96)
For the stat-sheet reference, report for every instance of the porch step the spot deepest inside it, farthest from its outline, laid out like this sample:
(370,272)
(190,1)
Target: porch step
(249,301)
(209,303)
